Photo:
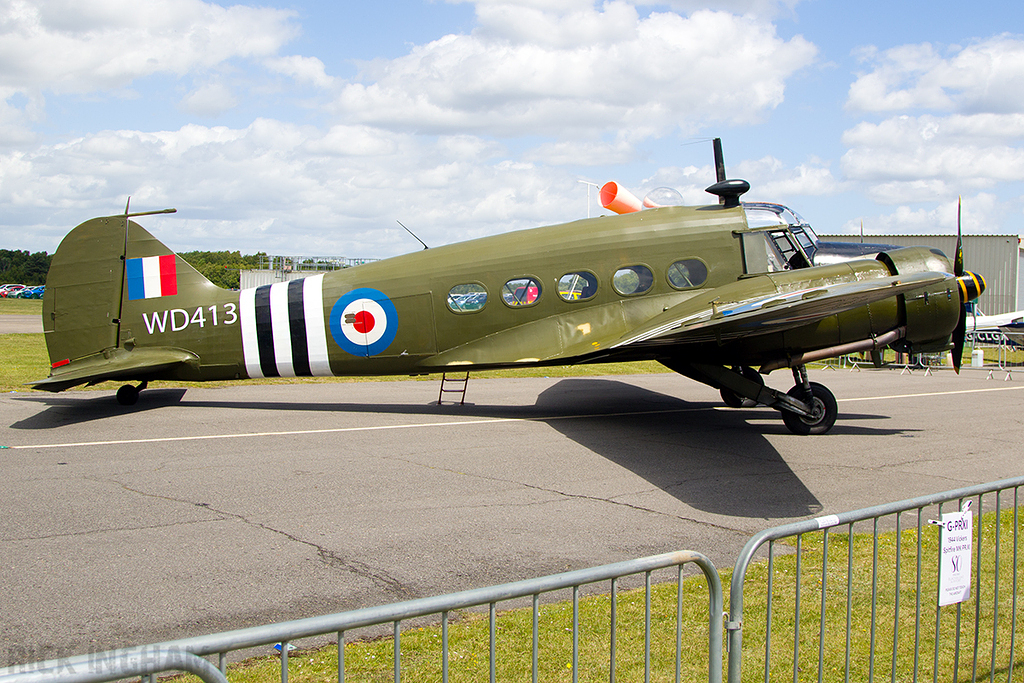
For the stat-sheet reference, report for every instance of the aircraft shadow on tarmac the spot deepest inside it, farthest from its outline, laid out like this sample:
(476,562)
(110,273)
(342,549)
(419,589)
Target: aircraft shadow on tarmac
(706,456)
(70,409)
(709,459)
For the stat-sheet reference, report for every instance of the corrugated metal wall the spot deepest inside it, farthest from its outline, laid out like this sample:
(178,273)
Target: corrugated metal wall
(995,257)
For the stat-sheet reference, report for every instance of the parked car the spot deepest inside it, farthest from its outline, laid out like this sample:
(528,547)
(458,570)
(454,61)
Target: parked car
(7,290)
(35,292)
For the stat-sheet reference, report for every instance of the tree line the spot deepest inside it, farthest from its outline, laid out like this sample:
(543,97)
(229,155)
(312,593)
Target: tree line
(219,267)
(23,267)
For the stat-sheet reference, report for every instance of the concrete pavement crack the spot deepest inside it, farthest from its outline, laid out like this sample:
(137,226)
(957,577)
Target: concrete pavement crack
(581,496)
(89,532)
(327,557)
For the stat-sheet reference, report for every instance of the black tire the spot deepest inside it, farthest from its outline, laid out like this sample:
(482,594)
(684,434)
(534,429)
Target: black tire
(127,395)
(731,398)
(734,400)
(825,411)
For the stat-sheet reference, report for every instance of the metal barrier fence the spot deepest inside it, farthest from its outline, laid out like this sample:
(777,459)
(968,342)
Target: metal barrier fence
(865,623)
(997,355)
(859,622)
(186,654)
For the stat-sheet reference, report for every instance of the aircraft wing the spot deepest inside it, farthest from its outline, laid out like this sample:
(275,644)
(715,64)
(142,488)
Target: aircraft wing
(770,313)
(117,364)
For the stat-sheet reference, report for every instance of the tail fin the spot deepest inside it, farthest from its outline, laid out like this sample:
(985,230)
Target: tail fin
(99,268)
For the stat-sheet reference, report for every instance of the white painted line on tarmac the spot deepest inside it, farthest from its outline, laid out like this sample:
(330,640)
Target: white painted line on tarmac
(930,393)
(253,435)
(456,423)
(340,430)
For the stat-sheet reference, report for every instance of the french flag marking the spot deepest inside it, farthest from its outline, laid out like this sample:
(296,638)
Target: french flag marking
(151,277)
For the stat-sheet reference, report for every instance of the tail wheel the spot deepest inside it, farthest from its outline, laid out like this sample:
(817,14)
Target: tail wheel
(824,407)
(128,395)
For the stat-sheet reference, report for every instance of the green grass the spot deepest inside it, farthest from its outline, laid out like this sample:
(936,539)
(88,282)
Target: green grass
(21,306)
(25,360)
(863,660)
(372,659)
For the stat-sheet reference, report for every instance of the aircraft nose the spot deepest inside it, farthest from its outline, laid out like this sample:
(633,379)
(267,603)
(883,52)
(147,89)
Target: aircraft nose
(971,286)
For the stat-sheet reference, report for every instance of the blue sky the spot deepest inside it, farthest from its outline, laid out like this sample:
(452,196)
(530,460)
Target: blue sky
(313,127)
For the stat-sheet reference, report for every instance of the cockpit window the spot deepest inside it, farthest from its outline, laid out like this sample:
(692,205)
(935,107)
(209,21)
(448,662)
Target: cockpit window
(806,240)
(765,215)
(760,255)
(633,280)
(790,254)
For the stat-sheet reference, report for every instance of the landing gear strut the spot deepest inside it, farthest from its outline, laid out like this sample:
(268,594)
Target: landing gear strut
(808,408)
(822,402)
(128,394)
(734,400)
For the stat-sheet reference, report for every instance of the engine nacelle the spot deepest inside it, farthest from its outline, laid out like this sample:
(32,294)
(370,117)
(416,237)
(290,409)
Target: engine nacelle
(931,313)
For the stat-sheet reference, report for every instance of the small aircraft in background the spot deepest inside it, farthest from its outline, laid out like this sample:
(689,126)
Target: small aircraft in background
(709,291)
(995,329)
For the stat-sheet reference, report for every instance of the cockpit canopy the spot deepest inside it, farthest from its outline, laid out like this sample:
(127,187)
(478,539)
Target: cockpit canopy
(791,243)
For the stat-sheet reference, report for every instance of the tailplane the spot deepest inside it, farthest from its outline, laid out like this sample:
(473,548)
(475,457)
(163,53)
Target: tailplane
(101,271)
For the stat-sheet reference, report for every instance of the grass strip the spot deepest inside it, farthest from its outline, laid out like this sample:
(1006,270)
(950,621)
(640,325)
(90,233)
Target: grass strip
(21,306)
(871,649)
(26,360)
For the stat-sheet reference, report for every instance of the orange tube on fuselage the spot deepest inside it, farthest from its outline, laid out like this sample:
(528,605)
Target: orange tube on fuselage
(619,199)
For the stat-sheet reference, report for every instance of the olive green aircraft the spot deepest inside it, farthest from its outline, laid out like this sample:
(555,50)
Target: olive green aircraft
(712,292)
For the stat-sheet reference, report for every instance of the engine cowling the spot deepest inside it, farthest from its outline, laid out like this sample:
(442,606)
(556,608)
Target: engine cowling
(930,315)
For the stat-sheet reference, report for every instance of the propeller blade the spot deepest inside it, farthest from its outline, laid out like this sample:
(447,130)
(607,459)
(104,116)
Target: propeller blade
(958,260)
(959,334)
(971,287)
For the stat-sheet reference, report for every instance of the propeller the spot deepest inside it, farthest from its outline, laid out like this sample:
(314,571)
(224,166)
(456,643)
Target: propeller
(971,285)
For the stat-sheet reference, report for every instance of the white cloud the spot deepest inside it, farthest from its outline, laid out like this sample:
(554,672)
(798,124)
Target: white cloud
(581,73)
(582,153)
(971,141)
(304,69)
(759,8)
(209,100)
(908,158)
(981,214)
(770,179)
(987,76)
(17,114)
(286,188)
(69,46)
(417,139)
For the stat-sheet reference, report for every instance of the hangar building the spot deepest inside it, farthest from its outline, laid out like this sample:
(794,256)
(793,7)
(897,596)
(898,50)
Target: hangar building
(998,258)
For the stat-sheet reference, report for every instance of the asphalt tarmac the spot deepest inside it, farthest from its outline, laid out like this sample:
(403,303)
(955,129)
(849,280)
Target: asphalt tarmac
(210,509)
(20,324)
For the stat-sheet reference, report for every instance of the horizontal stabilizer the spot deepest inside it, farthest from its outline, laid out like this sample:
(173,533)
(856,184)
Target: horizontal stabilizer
(119,364)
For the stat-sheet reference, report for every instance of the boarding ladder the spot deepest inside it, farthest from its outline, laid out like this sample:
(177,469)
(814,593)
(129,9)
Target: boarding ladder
(453,385)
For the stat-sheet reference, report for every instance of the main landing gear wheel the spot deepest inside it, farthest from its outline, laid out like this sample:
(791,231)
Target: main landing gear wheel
(734,400)
(824,406)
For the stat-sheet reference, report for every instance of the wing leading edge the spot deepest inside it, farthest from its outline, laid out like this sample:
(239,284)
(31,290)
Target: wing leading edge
(716,320)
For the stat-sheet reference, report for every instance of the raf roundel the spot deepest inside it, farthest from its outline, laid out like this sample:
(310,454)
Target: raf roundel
(364,322)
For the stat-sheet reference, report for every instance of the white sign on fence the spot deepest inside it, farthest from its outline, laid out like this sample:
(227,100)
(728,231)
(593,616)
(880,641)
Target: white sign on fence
(955,568)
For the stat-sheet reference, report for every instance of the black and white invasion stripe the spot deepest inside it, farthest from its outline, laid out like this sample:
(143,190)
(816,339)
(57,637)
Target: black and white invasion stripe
(283,332)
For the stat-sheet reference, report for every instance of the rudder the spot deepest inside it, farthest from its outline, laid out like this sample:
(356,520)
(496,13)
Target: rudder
(98,269)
